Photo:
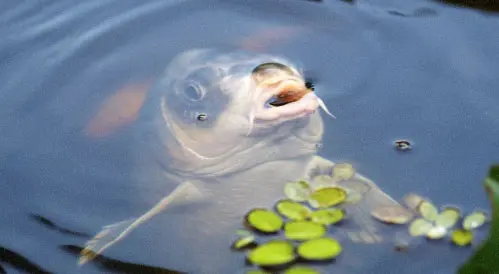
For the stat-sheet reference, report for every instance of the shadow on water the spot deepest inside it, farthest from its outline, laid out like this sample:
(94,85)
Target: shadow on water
(386,72)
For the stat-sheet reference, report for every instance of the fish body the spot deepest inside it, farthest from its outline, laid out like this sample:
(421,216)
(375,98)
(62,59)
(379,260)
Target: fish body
(224,151)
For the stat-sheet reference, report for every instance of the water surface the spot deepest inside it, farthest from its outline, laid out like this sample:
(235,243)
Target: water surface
(421,71)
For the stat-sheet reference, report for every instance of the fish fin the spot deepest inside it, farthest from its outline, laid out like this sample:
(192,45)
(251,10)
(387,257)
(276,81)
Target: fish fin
(186,192)
(118,110)
(359,213)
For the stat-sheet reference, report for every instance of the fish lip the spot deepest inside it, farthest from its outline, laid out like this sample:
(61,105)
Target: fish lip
(304,105)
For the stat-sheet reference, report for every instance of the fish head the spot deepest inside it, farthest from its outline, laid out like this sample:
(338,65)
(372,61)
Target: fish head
(220,112)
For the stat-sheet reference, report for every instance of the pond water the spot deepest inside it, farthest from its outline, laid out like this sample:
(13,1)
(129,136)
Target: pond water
(388,70)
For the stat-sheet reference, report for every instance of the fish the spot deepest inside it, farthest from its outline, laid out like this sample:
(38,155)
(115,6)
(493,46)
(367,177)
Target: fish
(209,124)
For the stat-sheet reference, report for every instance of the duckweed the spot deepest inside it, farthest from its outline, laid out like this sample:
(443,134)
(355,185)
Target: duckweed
(327,197)
(303,230)
(272,254)
(319,249)
(264,220)
(293,210)
(327,216)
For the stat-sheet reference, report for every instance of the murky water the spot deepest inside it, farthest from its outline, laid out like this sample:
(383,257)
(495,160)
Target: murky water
(418,70)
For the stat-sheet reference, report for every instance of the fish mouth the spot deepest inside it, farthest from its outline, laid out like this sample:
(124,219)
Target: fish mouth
(286,98)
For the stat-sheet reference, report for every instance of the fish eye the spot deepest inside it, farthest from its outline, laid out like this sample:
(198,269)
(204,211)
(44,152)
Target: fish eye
(194,91)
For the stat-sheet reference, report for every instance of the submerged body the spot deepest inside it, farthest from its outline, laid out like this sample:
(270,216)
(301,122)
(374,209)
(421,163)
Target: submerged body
(210,126)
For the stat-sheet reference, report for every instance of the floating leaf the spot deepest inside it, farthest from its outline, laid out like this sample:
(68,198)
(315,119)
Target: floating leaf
(303,230)
(428,210)
(257,271)
(474,220)
(319,249)
(320,181)
(343,171)
(413,201)
(301,270)
(392,214)
(419,227)
(264,220)
(293,210)
(448,217)
(297,191)
(462,237)
(436,232)
(272,253)
(327,197)
(327,216)
(244,242)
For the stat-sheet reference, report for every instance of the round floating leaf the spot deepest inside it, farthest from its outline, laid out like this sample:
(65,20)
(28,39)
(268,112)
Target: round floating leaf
(264,220)
(319,249)
(436,232)
(293,210)
(392,214)
(428,210)
(474,220)
(343,171)
(419,227)
(301,270)
(303,230)
(297,191)
(244,242)
(273,253)
(327,197)
(257,271)
(413,201)
(327,216)
(448,217)
(320,181)
(462,237)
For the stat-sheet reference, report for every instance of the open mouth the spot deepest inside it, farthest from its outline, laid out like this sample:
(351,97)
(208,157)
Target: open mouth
(286,99)
(285,95)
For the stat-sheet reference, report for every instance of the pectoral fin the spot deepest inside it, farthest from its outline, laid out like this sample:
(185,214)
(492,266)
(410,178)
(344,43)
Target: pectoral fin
(185,193)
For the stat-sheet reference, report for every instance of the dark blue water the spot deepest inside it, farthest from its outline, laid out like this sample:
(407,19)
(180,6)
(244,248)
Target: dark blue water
(416,70)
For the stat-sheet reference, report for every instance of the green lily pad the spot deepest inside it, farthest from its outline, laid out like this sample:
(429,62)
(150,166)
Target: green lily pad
(327,197)
(264,220)
(343,171)
(321,181)
(303,230)
(436,232)
(392,214)
(297,191)
(327,216)
(448,217)
(428,210)
(413,201)
(274,253)
(474,220)
(319,249)
(301,270)
(244,242)
(419,227)
(257,271)
(462,237)
(293,210)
